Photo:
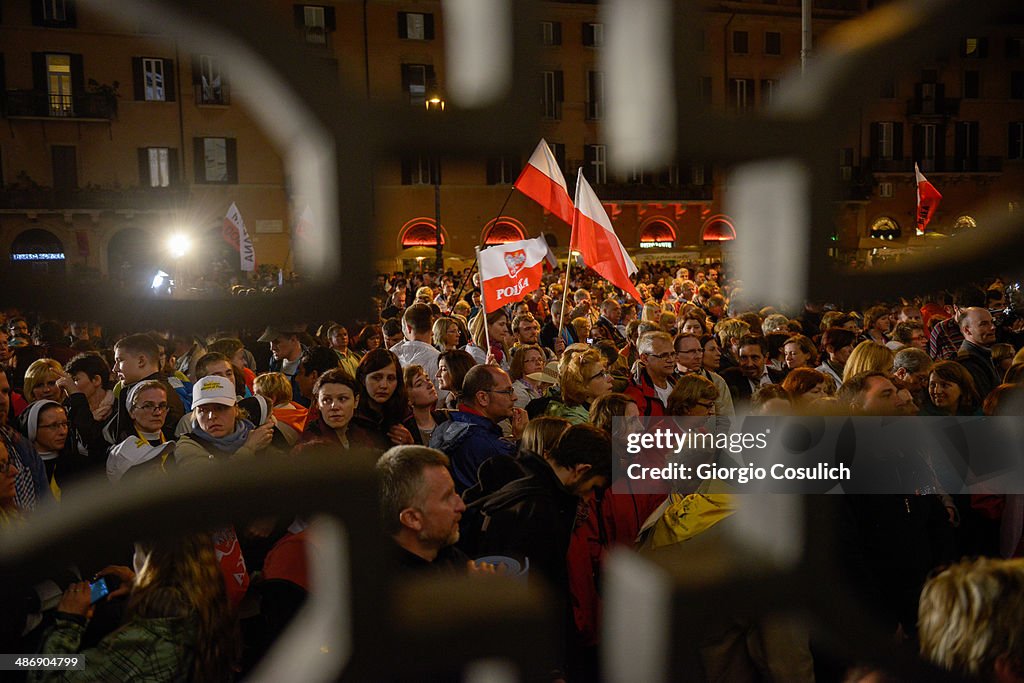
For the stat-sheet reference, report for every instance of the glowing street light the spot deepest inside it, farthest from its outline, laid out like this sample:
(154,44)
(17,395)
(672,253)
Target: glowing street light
(179,244)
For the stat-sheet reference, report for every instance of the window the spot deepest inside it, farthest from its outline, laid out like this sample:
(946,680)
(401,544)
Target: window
(502,170)
(704,89)
(972,84)
(595,95)
(415,26)
(698,176)
(416,78)
(670,176)
(558,150)
(158,166)
(153,79)
(966,140)
(769,86)
(772,43)
(208,80)
(846,164)
(888,88)
(314,22)
(1017,85)
(1014,47)
(885,190)
(1015,140)
(593,35)
(927,146)
(974,47)
(58,85)
(420,169)
(216,160)
(551,33)
(553,94)
(595,166)
(887,140)
(53,13)
(739,42)
(741,94)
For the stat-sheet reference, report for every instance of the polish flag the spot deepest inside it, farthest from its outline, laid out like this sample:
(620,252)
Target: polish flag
(927,200)
(508,272)
(594,238)
(543,182)
(235,234)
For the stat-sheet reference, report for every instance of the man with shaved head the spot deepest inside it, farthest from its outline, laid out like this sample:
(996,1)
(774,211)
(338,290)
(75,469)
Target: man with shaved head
(976,351)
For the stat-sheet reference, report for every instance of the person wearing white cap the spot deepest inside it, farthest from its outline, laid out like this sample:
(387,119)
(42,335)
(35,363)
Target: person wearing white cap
(221,433)
(147,406)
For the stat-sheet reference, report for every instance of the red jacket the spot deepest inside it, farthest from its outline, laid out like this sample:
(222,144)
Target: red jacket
(642,392)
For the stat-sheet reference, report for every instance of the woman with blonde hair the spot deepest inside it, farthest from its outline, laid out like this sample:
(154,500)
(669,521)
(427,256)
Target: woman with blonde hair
(445,334)
(541,434)
(582,380)
(178,622)
(651,314)
(291,417)
(41,381)
(868,355)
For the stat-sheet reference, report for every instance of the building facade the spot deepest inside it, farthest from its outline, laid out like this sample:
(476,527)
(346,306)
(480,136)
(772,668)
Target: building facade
(115,137)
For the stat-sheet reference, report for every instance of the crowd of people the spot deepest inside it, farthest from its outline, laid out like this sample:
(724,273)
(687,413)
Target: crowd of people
(493,438)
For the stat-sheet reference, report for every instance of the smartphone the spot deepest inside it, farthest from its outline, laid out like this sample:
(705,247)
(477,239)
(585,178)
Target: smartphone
(99,590)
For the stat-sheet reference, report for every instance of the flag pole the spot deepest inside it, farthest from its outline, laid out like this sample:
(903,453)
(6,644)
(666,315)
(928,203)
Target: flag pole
(568,262)
(483,309)
(472,270)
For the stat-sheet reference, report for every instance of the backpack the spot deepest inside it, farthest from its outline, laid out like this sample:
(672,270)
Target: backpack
(182,389)
(489,522)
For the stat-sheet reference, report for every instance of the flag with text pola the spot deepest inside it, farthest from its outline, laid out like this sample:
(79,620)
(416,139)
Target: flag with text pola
(508,272)
(235,234)
(543,182)
(927,200)
(595,239)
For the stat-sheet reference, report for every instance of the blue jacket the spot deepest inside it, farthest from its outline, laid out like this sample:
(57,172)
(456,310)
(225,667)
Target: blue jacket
(468,440)
(27,457)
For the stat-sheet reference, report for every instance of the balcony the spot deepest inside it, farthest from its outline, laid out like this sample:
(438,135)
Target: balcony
(939,165)
(216,94)
(929,108)
(41,104)
(131,199)
(634,191)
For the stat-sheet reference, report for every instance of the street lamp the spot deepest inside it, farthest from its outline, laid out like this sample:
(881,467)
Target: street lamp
(179,244)
(435,102)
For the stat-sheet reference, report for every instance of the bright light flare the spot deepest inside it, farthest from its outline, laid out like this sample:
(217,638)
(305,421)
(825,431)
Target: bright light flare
(179,244)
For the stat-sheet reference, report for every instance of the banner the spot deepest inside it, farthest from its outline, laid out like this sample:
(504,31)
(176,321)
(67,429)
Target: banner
(508,272)
(235,234)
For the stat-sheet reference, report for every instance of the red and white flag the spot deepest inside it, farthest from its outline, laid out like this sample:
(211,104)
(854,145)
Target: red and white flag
(927,200)
(235,234)
(508,272)
(543,182)
(595,239)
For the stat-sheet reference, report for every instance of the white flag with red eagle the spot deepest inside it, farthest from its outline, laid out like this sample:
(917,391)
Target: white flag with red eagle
(508,272)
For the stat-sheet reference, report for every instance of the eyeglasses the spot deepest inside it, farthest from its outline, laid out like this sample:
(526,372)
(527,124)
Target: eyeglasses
(8,466)
(602,373)
(55,425)
(507,392)
(662,356)
(706,405)
(153,407)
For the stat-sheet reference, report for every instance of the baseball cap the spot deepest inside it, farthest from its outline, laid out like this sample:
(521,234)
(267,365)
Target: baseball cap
(213,389)
(273,332)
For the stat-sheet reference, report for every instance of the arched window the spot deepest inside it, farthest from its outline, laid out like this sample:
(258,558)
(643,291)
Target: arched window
(718,229)
(420,232)
(885,228)
(37,245)
(657,233)
(503,230)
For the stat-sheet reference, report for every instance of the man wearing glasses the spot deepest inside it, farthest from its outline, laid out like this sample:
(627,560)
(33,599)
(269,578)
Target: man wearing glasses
(653,378)
(472,435)
(690,361)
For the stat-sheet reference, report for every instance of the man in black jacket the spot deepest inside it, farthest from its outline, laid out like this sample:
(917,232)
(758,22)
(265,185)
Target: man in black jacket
(976,350)
(137,358)
(532,518)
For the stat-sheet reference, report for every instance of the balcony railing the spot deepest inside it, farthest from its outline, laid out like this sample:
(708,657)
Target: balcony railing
(216,94)
(938,165)
(134,199)
(39,103)
(938,107)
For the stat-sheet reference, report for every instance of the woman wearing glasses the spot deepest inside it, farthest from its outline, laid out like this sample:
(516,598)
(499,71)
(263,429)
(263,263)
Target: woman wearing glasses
(45,423)
(147,451)
(583,380)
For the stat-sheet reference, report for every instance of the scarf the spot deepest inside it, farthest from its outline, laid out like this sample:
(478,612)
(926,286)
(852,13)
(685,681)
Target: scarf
(226,444)
(24,482)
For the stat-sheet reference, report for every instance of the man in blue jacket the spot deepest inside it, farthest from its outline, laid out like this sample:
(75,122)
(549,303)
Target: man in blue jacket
(473,435)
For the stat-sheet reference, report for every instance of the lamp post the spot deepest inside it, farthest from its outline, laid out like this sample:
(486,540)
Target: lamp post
(435,102)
